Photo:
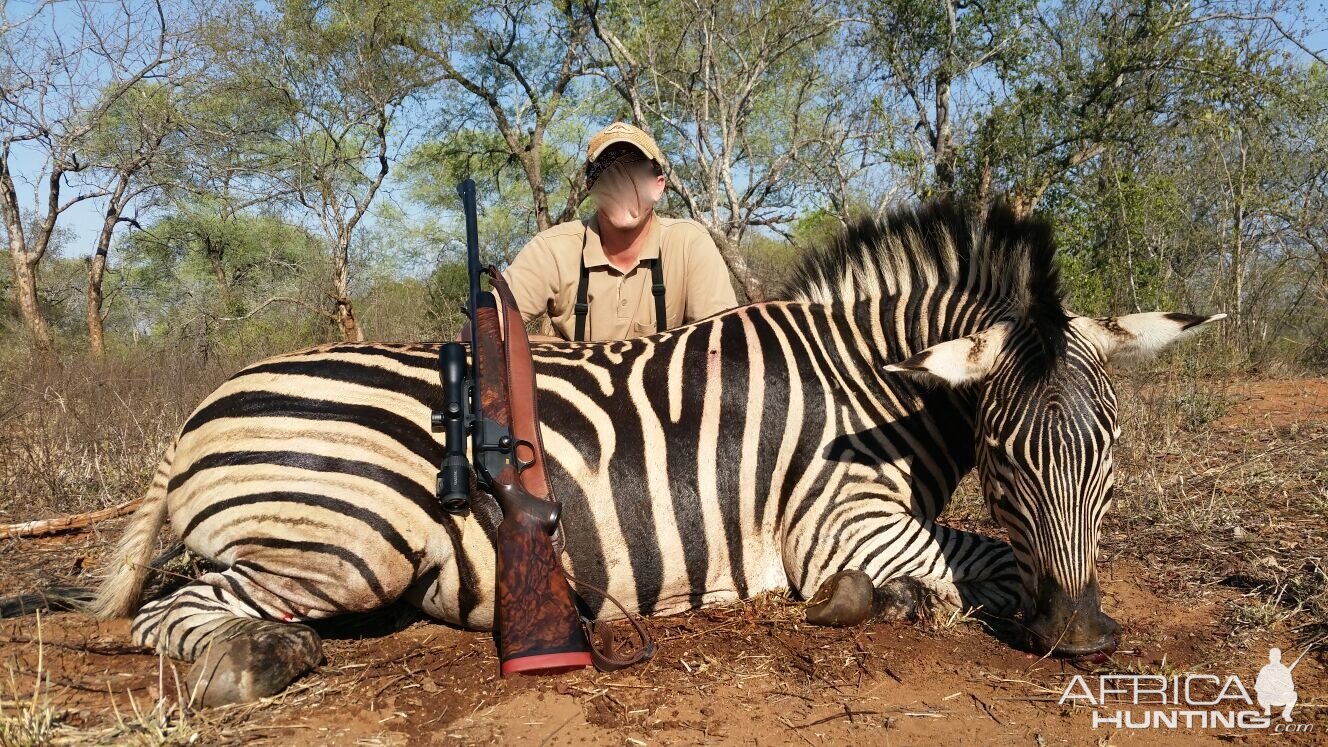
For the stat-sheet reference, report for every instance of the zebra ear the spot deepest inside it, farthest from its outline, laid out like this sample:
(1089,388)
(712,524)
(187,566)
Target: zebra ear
(1140,336)
(957,362)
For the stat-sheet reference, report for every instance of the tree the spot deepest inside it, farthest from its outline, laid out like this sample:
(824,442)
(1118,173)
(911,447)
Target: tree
(738,97)
(205,268)
(926,52)
(507,210)
(126,146)
(339,86)
(55,90)
(1210,214)
(512,66)
(1015,96)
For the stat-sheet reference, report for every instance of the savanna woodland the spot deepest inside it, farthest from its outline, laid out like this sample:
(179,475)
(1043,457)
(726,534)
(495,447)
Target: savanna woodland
(189,186)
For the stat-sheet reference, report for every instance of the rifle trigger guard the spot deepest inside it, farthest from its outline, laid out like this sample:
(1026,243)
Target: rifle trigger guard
(523,464)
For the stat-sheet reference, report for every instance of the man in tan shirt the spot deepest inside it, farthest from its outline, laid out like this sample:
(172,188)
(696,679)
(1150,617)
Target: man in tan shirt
(628,271)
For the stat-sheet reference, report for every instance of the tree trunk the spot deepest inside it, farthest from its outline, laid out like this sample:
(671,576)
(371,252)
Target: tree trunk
(943,147)
(25,289)
(752,287)
(214,254)
(25,264)
(535,177)
(97,271)
(1023,202)
(1238,244)
(96,331)
(351,331)
(984,187)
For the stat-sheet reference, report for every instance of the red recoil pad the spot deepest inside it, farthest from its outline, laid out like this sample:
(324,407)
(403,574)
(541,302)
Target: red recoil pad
(539,628)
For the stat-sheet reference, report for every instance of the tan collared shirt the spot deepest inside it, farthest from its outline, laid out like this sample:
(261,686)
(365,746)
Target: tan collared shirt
(544,278)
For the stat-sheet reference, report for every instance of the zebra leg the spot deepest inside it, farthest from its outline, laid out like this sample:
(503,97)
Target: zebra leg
(901,567)
(851,597)
(217,623)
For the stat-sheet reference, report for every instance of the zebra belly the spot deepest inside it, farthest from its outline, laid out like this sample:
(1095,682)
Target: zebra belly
(349,517)
(319,466)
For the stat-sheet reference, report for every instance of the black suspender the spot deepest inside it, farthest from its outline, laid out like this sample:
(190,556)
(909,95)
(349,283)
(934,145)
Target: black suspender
(582,307)
(657,287)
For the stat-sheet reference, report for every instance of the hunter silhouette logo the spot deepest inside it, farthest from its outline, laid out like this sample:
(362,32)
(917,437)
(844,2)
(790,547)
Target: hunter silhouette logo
(1192,700)
(1274,686)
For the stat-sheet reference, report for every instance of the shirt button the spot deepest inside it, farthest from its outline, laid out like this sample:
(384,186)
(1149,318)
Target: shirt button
(623,302)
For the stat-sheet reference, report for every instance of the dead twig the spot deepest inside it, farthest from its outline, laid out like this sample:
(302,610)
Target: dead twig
(45,527)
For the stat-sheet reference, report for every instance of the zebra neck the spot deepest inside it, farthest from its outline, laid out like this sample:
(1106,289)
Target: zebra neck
(909,323)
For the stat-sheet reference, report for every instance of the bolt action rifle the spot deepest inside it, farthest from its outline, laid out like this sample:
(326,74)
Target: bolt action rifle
(493,402)
(538,627)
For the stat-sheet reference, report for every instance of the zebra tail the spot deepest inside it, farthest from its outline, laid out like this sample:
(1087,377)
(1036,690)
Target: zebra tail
(53,598)
(119,591)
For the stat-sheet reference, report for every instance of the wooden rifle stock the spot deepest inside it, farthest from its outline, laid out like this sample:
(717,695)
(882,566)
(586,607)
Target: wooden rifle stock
(538,627)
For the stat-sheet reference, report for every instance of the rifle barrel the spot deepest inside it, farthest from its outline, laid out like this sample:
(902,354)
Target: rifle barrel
(466,191)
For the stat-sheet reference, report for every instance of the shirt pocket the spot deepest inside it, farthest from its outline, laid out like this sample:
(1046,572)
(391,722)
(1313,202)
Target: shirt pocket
(642,329)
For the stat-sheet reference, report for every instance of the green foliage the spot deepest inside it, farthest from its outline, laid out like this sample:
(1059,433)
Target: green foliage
(507,211)
(207,271)
(447,292)
(310,149)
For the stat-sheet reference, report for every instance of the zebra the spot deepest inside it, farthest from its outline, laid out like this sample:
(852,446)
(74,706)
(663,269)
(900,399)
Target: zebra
(807,444)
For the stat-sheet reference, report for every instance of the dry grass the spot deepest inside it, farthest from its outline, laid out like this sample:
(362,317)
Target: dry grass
(87,435)
(1201,504)
(26,715)
(1239,504)
(29,718)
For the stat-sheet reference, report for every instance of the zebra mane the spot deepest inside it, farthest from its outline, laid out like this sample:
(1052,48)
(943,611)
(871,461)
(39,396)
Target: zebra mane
(1009,263)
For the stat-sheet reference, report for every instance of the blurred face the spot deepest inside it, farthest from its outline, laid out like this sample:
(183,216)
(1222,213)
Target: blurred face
(626,192)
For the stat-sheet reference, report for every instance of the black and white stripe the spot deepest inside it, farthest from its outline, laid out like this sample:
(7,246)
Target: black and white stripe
(766,447)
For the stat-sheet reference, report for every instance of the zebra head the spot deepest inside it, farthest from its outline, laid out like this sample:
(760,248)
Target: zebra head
(1046,427)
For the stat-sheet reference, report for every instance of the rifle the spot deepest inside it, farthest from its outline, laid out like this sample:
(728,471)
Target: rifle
(493,402)
(537,625)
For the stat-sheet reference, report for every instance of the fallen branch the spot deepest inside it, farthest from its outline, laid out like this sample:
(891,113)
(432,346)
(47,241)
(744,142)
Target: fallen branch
(46,527)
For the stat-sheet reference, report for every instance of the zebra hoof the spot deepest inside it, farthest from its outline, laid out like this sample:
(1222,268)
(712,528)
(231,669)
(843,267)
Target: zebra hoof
(255,664)
(899,599)
(844,599)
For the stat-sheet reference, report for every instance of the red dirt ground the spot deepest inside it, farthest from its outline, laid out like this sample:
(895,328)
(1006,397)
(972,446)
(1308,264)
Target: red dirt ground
(746,674)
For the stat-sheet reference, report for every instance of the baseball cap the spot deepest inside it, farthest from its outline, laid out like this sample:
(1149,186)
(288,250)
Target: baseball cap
(621,132)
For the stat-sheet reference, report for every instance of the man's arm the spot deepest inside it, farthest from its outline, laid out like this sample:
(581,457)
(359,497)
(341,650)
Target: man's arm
(709,288)
(533,277)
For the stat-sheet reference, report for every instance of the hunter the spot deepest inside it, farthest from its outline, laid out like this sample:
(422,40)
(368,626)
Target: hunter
(624,271)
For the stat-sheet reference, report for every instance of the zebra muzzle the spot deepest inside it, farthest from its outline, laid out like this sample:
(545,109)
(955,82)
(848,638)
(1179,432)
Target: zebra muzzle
(1061,624)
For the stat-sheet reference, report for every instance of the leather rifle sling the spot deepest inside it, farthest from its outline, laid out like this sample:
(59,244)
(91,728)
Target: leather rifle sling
(524,409)
(521,388)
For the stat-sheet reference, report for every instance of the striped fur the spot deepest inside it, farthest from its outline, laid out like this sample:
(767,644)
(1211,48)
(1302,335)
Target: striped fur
(767,447)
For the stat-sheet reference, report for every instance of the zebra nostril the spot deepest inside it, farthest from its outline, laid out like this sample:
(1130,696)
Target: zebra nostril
(1094,634)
